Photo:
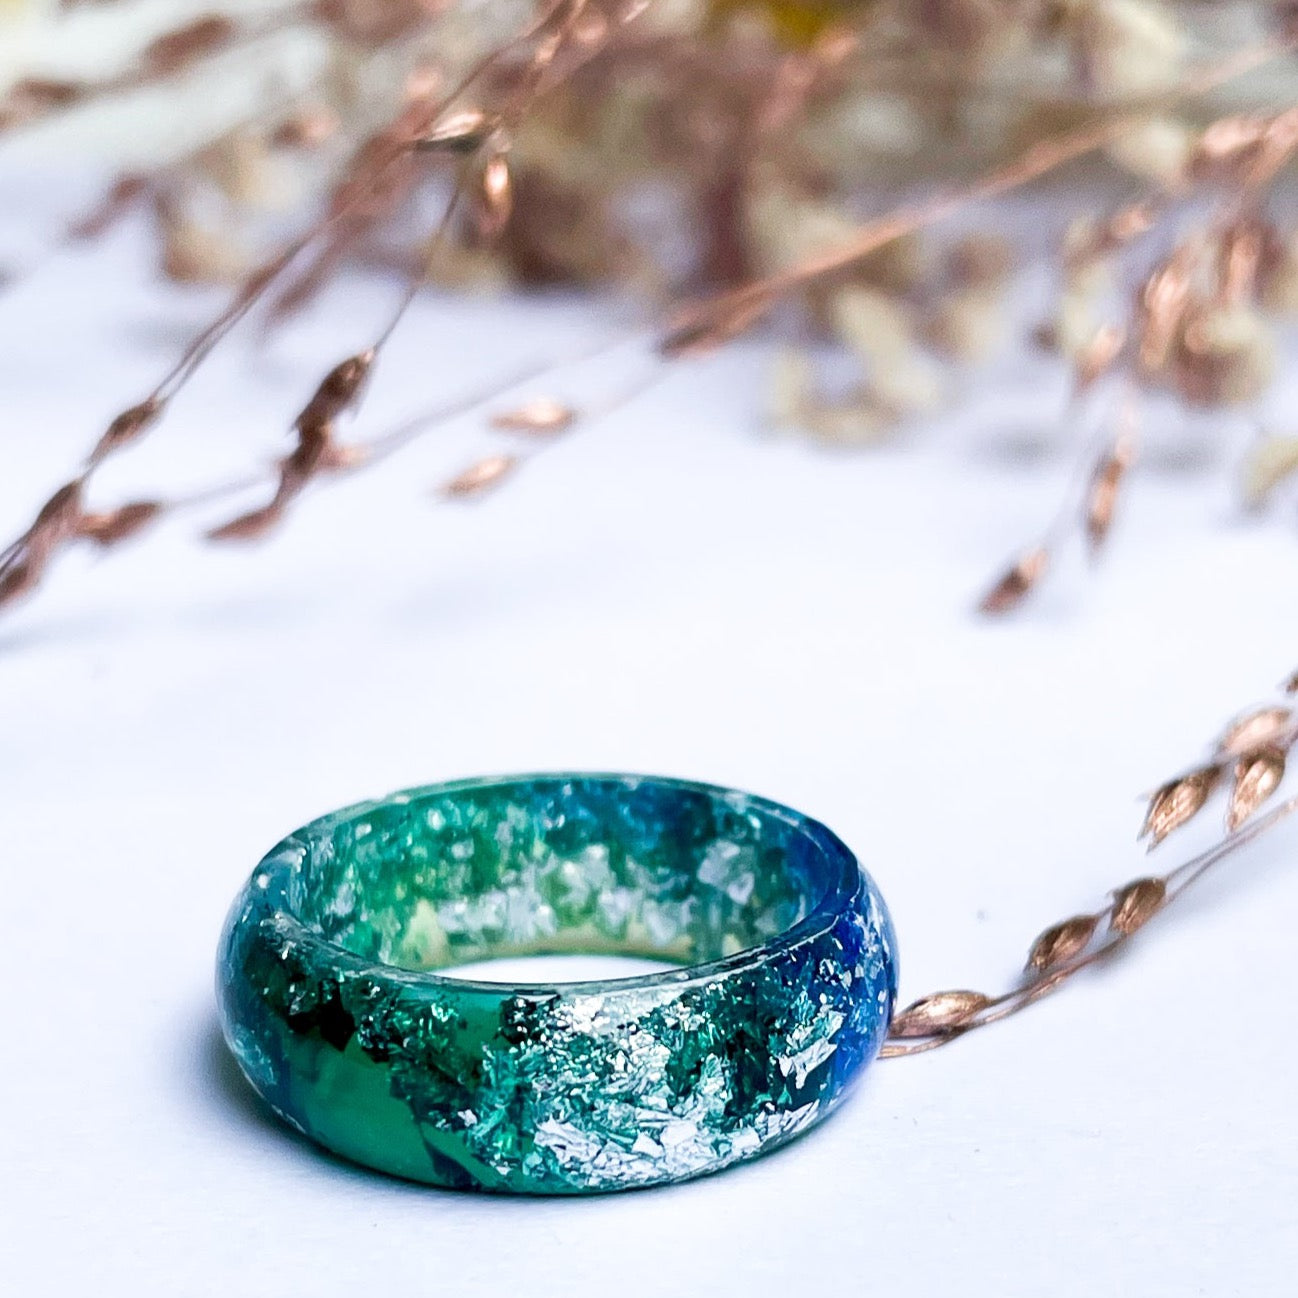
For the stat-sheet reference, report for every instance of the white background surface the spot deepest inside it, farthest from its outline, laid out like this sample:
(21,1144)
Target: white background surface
(667,590)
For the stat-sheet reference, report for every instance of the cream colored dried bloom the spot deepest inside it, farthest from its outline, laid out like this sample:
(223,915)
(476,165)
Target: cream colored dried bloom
(864,125)
(1159,150)
(1271,461)
(198,254)
(792,386)
(1127,47)
(881,331)
(876,326)
(788,229)
(858,421)
(967,324)
(1079,310)
(241,166)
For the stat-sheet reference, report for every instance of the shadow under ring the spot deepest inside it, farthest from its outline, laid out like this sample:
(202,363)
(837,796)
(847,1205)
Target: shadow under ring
(332,1004)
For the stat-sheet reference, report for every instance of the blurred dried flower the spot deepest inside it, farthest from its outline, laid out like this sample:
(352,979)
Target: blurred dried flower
(1271,461)
(1225,356)
(967,324)
(119,524)
(541,415)
(480,477)
(1125,47)
(1009,592)
(777,124)
(1256,730)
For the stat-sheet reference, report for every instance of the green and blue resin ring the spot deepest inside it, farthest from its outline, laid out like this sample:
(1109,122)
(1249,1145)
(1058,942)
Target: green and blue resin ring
(332,1005)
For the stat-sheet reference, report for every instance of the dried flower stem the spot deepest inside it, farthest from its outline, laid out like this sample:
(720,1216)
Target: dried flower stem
(559,23)
(109,528)
(24,561)
(484,161)
(1254,747)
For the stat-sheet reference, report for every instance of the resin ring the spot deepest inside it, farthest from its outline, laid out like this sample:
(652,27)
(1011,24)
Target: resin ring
(330,1001)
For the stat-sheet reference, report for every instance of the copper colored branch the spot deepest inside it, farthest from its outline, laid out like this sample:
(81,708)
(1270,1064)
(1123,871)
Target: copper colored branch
(24,561)
(1253,748)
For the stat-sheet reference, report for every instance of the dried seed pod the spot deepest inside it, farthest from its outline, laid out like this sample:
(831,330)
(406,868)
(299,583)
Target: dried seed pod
(118,524)
(59,514)
(340,458)
(173,50)
(495,197)
(1164,297)
(589,29)
(315,452)
(251,526)
(1240,252)
(1257,777)
(55,523)
(1255,730)
(942,1012)
(1136,904)
(1176,803)
(29,98)
(337,391)
(1102,494)
(127,427)
(1017,583)
(1060,943)
(541,415)
(480,477)
(19,579)
(464,132)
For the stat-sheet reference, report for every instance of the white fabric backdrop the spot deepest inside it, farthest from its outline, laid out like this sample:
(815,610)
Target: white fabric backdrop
(667,590)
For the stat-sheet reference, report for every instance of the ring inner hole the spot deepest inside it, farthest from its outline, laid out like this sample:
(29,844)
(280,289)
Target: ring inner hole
(668,873)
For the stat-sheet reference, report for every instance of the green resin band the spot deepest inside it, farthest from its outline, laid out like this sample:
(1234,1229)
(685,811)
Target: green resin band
(331,1005)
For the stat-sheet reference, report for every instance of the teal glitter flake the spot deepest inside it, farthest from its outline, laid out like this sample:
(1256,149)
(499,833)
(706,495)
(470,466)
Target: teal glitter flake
(331,1002)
